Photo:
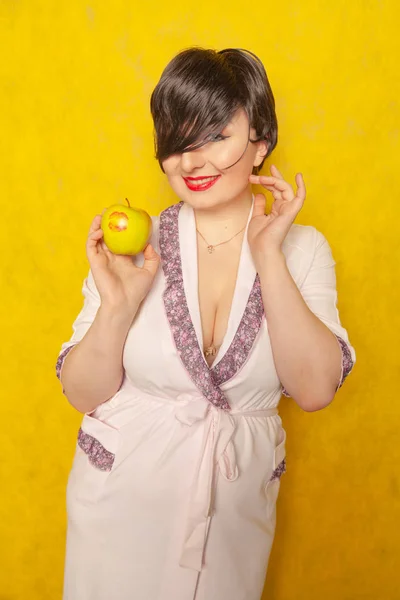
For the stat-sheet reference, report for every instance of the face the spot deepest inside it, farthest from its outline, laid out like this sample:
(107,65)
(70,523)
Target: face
(218,172)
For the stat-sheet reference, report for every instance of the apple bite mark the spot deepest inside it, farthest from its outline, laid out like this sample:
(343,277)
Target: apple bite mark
(118,221)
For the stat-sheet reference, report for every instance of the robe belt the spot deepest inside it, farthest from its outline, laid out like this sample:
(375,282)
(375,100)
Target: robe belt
(217,450)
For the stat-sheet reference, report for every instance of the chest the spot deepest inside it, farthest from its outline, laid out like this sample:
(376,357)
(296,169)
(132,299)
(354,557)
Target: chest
(161,363)
(217,276)
(192,301)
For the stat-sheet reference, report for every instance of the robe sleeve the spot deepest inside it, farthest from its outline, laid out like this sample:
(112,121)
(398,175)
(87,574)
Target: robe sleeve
(82,322)
(320,294)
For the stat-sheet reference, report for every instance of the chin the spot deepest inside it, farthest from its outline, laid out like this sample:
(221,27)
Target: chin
(210,198)
(202,200)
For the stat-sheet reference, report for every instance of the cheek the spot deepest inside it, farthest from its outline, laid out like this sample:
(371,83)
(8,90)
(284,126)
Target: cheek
(174,184)
(243,168)
(171,170)
(170,165)
(177,185)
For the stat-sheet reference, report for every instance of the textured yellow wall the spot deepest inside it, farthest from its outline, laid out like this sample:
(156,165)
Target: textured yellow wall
(76,135)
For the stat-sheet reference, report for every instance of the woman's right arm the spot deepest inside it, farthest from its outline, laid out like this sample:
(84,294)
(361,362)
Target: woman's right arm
(92,370)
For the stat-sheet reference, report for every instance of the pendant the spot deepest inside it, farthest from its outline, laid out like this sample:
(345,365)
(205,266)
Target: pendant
(211,351)
(210,249)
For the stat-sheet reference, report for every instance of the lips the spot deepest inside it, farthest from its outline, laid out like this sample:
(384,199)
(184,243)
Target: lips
(200,184)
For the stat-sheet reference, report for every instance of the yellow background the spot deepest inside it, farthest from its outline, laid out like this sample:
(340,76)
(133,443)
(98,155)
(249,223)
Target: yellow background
(76,136)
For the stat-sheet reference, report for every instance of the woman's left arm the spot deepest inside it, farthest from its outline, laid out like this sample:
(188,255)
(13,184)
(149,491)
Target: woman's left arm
(308,356)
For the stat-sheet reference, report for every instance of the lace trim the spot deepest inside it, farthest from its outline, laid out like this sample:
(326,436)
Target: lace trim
(98,456)
(279,471)
(206,379)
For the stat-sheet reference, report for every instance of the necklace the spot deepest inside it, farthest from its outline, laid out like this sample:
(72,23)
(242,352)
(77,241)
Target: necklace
(211,247)
(210,351)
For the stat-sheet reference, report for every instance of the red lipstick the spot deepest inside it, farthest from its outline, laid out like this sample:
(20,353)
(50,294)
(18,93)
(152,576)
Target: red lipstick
(206,183)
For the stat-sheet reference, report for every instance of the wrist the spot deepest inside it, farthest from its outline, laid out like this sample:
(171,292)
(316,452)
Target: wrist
(273,259)
(117,314)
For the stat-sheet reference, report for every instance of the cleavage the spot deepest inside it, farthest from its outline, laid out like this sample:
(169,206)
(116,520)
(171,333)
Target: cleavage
(216,290)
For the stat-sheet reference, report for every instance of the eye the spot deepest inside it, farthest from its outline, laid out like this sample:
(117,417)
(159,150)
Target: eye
(217,137)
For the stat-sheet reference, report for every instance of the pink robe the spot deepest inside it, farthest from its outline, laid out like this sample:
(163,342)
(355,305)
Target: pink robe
(173,488)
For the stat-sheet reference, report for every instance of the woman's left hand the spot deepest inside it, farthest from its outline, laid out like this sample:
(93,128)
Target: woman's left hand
(266,233)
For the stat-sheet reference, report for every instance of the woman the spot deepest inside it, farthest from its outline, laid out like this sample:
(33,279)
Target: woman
(179,370)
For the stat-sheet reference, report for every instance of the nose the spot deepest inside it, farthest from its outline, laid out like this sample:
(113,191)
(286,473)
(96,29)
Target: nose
(194,159)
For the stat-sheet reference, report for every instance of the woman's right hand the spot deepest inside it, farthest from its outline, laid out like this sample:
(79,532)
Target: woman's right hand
(120,283)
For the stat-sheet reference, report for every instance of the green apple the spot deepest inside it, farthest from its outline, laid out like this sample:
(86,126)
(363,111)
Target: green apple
(127,230)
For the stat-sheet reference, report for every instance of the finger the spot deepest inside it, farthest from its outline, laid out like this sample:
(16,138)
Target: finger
(272,189)
(94,237)
(282,185)
(266,178)
(262,179)
(106,249)
(151,260)
(282,191)
(275,172)
(259,205)
(271,184)
(254,178)
(93,248)
(276,194)
(269,180)
(301,186)
(95,224)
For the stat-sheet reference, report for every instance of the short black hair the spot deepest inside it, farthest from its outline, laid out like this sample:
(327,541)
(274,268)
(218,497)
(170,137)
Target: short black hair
(198,93)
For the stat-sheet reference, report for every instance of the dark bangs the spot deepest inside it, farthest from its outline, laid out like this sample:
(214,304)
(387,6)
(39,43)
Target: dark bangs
(198,94)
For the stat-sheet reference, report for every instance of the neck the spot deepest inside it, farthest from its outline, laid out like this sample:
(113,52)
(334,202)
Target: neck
(226,218)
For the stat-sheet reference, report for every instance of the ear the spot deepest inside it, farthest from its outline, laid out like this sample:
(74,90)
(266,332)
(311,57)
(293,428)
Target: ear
(262,151)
